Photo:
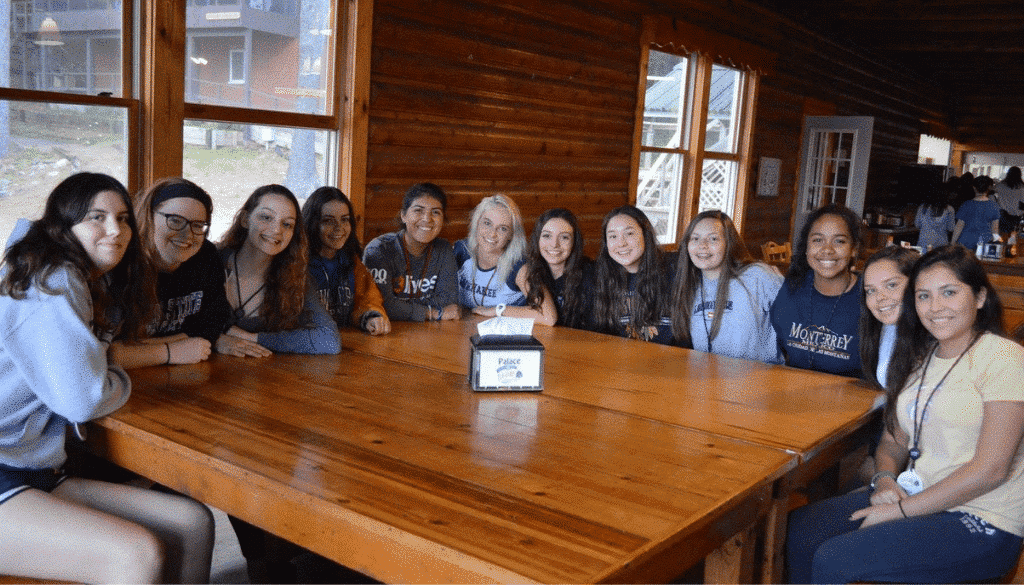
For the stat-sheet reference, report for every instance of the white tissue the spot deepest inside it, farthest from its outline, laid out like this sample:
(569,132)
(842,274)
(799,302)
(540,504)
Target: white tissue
(505,325)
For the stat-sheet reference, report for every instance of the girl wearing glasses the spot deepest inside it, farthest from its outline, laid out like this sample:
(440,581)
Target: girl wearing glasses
(174,218)
(70,281)
(721,298)
(345,286)
(266,260)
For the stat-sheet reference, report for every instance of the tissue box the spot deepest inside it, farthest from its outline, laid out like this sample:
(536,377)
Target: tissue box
(506,362)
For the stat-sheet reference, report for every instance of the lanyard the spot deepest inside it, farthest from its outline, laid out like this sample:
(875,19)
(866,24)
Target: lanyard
(915,451)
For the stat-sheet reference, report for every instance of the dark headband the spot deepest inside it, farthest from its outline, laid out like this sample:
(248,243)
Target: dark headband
(175,190)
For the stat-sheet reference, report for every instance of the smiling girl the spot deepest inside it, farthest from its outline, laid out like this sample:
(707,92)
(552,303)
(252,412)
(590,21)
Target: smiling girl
(70,282)
(631,295)
(492,264)
(265,257)
(946,503)
(886,274)
(817,311)
(557,264)
(414,268)
(721,298)
(344,284)
(174,218)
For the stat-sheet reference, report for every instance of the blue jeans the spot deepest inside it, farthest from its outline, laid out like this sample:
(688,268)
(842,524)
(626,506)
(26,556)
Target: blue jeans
(824,546)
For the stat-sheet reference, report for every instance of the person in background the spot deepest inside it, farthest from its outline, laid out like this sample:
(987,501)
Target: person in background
(414,268)
(174,218)
(557,264)
(977,220)
(266,260)
(721,298)
(1010,195)
(631,297)
(70,282)
(344,284)
(817,310)
(945,505)
(935,220)
(492,264)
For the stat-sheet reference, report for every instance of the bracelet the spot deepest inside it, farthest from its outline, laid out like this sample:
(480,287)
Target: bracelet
(900,504)
(168,346)
(880,475)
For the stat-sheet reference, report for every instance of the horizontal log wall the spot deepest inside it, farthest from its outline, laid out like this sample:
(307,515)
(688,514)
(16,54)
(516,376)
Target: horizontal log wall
(536,99)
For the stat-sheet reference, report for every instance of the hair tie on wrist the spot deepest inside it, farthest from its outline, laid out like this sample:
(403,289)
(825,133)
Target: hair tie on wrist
(168,346)
(900,504)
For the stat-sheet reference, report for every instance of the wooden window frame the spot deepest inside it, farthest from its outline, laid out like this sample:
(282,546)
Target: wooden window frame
(672,36)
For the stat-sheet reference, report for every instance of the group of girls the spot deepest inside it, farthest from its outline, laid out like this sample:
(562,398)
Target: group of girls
(946,501)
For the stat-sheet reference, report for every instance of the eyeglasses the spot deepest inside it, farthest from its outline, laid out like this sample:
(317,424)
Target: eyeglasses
(178,223)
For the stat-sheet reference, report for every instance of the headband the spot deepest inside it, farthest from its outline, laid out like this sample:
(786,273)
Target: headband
(175,190)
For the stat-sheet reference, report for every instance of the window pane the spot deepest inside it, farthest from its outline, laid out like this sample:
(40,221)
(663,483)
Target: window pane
(57,45)
(265,54)
(718,186)
(665,101)
(723,108)
(657,193)
(231,160)
(42,144)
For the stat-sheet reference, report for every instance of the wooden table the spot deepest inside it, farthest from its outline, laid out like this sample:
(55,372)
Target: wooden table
(820,418)
(403,473)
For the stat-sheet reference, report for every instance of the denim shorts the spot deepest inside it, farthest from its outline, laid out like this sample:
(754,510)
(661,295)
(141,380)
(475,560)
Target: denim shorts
(13,481)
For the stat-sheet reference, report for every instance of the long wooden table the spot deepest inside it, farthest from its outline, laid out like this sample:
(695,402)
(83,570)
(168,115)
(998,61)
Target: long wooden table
(819,418)
(403,473)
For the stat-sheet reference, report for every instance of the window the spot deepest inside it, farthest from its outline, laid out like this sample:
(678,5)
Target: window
(86,90)
(694,138)
(62,101)
(237,62)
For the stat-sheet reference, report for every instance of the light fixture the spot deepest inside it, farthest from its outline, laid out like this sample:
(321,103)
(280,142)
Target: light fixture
(49,33)
(199,60)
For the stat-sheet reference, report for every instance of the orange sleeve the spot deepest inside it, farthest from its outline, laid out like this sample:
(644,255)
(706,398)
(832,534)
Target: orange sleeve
(367,295)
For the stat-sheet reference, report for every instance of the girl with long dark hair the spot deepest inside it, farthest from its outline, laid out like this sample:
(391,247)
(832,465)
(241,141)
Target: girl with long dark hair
(266,260)
(632,290)
(344,284)
(557,264)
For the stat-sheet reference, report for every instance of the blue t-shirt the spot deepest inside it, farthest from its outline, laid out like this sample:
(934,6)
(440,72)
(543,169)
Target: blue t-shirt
(818,332)
(977,217)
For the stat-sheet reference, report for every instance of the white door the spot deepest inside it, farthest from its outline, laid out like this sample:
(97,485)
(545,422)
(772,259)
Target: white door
(834,164)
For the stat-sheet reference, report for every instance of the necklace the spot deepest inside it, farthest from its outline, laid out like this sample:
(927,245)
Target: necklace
(704,313)
(240,310)
(915,451)
(423,271)
(831,313)
(483,295)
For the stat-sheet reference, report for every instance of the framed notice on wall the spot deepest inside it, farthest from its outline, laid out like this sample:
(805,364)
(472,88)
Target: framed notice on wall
(768,177)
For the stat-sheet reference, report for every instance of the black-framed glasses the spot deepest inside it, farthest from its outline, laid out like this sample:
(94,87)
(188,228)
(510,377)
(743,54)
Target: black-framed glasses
(178,223)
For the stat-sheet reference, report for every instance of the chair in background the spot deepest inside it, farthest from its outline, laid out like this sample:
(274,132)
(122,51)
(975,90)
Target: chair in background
(776,253)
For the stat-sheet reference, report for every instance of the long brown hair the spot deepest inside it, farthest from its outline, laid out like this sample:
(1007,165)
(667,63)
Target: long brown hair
(283,304)
(689,277)
(539,277)
(124,298)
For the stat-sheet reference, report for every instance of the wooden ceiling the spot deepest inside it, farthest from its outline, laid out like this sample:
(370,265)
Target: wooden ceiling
(972,49)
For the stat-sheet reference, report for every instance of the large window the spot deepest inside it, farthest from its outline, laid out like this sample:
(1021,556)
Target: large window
(693,139)
(251,93)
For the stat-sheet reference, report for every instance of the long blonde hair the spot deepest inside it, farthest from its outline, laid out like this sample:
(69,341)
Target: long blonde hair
(516,249)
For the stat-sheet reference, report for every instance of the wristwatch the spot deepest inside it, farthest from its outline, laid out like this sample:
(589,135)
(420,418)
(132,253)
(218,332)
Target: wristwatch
(880,475)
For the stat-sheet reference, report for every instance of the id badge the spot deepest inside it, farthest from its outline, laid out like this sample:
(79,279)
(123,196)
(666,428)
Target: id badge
(910,481)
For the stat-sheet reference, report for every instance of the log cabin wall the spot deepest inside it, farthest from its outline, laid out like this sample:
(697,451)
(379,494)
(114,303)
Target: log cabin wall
(536,99)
